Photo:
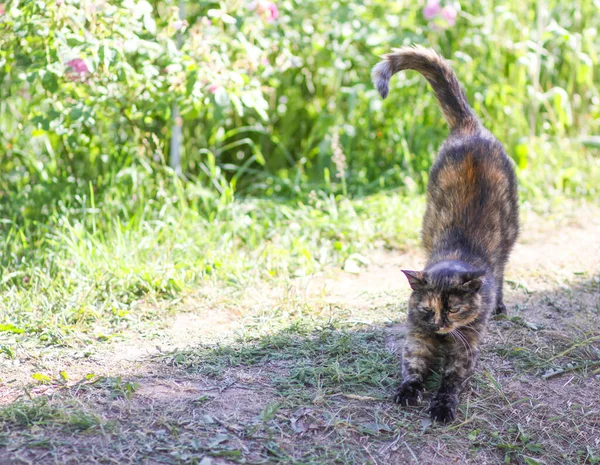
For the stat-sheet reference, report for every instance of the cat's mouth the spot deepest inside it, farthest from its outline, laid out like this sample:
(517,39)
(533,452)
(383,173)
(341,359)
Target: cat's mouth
(444,331)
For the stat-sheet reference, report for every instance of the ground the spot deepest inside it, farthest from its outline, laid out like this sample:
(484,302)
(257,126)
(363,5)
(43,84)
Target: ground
(301,372)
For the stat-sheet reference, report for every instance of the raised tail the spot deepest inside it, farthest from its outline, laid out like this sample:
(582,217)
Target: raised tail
(439,74)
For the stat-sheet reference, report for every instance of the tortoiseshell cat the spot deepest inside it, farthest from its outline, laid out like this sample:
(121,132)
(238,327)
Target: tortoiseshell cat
(469,228)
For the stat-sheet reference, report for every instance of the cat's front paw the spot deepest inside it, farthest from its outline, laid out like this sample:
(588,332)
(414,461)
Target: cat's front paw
(442,412)
(409,394)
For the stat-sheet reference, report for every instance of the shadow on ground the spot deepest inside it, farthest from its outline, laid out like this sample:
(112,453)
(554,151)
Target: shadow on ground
(320,395)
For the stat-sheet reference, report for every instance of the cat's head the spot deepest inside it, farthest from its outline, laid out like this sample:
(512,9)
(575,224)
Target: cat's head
(445,300)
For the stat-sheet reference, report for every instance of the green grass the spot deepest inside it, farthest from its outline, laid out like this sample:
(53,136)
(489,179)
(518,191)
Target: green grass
(550,355)
(78,285)
(56,413)
(331,360)
(99,238)
(83,286)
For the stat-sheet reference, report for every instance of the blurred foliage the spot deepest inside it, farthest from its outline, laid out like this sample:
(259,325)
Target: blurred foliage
(88,88)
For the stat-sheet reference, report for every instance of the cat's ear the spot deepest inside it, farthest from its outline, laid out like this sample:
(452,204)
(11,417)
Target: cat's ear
(416,279)
(473,280)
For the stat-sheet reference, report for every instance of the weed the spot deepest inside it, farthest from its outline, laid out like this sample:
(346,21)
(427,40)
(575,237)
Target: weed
(42,411)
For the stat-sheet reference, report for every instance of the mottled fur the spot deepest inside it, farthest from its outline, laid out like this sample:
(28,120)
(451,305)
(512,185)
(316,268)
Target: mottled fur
(469,229)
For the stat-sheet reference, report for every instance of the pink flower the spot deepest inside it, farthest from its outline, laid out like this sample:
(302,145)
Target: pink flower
(78,66)
(432,9)
(449,14)
(78,69)
(273,11)
(268,10)
(213,88)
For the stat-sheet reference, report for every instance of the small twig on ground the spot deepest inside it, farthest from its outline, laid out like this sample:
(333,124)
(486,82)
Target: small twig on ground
(357,397)
(411,452)
(575,346)
(466,422)
(562,371)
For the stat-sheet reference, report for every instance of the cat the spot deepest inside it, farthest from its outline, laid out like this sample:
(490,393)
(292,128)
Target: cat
(470,225)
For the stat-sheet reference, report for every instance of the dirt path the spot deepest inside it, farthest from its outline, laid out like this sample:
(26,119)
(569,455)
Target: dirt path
(319,394)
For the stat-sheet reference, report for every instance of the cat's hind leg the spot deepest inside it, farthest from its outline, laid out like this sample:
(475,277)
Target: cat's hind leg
(500,308)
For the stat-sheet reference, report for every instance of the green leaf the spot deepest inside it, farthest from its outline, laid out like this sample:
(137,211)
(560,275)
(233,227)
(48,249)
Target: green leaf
(533,461)
(11,329)
(50,82)
(213,13)
(76,114)
(228,19)
(522,153)
(218,439)
(591,141)
(226,453)
(42,122)
(237,104)
(41,377)
(7,350)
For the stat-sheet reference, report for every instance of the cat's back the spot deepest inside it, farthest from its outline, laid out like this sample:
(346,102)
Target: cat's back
(472,190)
(472,164)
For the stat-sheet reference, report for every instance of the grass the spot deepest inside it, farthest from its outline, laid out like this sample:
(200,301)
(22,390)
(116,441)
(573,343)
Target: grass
(86,261)
(553,354)
(92,286)
(42,411)
(340,372)
(311,395)
(98,238)
(299,381)
(332,360)
(78,287)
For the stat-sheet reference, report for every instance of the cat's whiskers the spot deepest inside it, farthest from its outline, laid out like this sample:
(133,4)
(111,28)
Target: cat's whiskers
(457,337)
(451,333)
(465,341)
(471,328)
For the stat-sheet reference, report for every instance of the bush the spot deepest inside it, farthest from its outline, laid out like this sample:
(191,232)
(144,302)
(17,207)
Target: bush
(274,100)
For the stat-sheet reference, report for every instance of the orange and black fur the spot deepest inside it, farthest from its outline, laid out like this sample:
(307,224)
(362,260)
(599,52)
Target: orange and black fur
(469,229)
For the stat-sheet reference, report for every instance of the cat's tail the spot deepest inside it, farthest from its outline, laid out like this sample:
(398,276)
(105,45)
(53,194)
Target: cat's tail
(439,74)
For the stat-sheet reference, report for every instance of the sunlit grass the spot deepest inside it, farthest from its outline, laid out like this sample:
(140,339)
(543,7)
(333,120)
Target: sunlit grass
(83,280)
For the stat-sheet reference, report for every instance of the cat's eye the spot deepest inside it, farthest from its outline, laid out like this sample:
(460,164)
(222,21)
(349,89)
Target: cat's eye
(427,309)
(455,309)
